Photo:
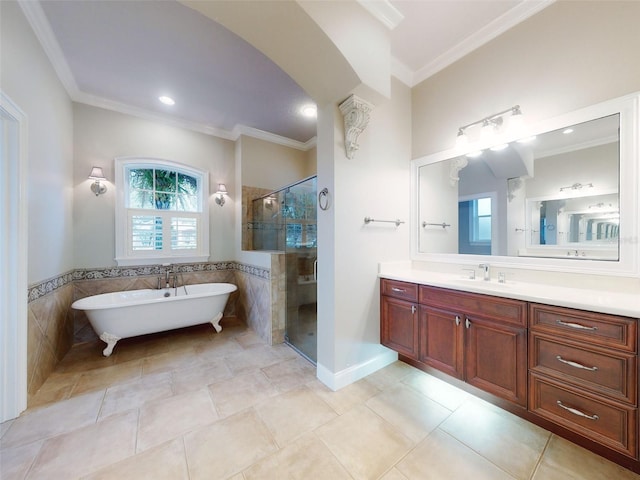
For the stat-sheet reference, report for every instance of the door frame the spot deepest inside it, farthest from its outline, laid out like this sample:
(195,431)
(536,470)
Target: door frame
(13,260)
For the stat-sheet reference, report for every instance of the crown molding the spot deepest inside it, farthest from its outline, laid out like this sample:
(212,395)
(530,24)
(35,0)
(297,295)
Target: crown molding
(100,102)
(474,41)
(401,72)
(384,11)
(40,25)
(272,138)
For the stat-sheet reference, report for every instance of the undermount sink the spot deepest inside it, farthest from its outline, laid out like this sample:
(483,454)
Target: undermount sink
(482,283)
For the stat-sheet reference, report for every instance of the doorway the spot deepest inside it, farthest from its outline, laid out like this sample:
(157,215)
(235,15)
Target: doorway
(13,260)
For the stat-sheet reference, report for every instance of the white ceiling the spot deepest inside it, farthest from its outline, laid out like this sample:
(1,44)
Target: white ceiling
(122,55)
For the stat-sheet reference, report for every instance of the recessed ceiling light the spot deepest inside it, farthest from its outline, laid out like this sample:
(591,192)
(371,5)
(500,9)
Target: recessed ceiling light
(475,154)
(167,100)
(567,131)
(309,111)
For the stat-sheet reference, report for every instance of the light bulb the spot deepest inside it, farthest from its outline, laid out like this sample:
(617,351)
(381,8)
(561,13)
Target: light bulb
(462,140)
(516,122)
(488,130)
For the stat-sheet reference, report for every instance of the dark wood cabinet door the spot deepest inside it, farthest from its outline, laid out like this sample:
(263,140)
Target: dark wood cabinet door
(399,326)
(496,358)
(442,340)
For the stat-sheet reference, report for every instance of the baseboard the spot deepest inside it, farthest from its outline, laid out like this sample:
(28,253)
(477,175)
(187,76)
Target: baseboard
(338,380)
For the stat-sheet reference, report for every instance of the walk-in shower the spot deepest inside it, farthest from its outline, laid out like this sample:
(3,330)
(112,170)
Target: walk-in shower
(286,220)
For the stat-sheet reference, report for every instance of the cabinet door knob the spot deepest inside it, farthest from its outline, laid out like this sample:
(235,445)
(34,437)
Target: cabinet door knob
(457,320)
(467,322)
(577,412)
(413,309)
(576,364)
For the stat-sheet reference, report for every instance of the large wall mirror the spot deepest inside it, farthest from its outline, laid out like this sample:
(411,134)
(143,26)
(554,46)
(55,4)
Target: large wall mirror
(563,197)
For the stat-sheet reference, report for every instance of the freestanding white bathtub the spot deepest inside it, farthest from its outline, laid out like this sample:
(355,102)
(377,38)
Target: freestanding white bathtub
(118,315)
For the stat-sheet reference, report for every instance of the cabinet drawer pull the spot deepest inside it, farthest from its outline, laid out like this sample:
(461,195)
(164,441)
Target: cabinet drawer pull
(576,364)
(399,290)
(577,412)
(575,325)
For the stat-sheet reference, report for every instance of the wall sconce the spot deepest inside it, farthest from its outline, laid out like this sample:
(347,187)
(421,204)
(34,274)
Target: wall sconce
(491,125)
(222,191)
(97,175)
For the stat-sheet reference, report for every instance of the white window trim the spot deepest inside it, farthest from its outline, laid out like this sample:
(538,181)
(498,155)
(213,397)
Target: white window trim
(123,256)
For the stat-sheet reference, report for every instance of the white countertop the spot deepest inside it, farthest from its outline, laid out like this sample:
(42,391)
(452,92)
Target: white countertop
(616,303)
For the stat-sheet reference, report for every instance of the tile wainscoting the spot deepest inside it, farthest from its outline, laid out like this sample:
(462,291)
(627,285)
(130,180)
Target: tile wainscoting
(53,327)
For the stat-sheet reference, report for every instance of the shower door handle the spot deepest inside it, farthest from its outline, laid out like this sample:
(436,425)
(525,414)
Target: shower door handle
(315,270)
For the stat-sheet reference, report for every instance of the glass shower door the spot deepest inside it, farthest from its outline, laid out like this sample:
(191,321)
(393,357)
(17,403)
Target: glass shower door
(300,217)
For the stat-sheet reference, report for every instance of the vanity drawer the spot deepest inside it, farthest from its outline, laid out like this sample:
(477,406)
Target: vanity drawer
(495,308)
(397,289)
(609,423)
(604,371)
(595,328)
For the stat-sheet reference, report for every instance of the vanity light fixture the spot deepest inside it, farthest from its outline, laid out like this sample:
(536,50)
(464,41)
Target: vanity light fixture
(97,176)
(497,148)
(220,194)
(492,125)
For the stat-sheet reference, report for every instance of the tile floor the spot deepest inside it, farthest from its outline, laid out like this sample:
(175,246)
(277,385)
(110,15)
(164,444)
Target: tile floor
(194,404)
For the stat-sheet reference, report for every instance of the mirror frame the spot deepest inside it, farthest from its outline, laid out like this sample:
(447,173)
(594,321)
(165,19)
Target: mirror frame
(628,263)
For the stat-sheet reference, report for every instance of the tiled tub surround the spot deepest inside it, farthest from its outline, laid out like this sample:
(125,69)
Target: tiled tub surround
(53,327)
(50,333)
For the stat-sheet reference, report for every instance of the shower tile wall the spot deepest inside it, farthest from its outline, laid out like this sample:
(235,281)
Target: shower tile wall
(248,194)
(261,302)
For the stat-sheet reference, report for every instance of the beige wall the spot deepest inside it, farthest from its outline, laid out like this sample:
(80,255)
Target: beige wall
(30,81)
(570,55)
(100,136)
(374,183)
(271,166)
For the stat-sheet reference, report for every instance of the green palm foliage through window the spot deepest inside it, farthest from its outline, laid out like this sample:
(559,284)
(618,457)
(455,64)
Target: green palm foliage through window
(159,189)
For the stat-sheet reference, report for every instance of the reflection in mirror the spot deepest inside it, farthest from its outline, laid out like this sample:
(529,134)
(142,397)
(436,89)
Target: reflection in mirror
(554,195)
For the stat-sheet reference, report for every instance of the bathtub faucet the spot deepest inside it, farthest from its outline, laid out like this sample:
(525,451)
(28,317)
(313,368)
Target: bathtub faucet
(167,276)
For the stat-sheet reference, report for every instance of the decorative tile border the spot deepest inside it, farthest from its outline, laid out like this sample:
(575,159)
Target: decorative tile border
(45,287)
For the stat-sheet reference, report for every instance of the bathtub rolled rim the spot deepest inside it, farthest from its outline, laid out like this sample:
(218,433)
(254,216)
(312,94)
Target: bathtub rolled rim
(94,302)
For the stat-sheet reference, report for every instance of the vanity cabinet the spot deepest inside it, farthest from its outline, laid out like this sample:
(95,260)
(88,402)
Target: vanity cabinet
(399,314)
(477,338)
(583,374)
(571,371)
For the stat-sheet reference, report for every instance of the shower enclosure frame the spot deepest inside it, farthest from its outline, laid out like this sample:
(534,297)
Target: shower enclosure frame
(285,220)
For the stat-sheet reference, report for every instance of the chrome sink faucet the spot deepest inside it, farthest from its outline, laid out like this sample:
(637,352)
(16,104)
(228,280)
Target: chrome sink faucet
(485,271)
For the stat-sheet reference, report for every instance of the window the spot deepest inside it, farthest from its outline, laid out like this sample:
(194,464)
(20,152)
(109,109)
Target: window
(481,220)
(161,212)
(476,215)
